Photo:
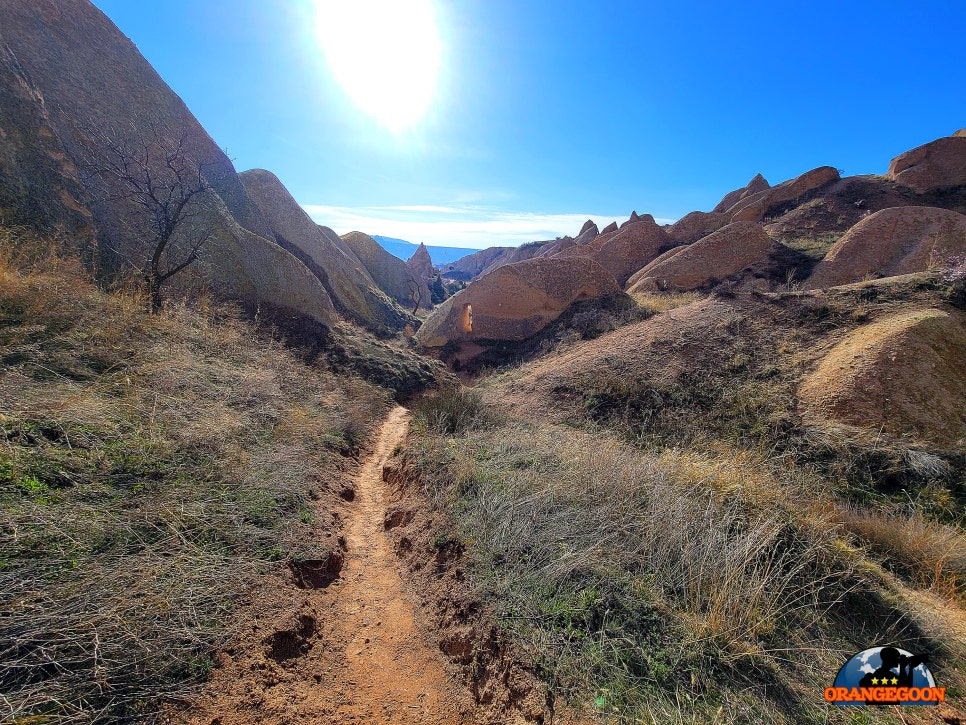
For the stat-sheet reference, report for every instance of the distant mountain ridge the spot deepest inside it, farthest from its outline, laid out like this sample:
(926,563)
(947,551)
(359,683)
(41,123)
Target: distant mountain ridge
(404,250)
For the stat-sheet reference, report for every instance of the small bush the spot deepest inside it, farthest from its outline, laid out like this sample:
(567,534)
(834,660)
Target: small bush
(453,411)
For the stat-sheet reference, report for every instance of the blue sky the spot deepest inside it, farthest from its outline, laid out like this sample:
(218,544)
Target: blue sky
(544,113)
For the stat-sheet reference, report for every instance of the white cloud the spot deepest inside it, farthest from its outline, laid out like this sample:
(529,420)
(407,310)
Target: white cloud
(448,226)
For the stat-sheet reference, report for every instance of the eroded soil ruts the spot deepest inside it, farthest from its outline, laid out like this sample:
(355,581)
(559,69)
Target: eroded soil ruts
(349,650)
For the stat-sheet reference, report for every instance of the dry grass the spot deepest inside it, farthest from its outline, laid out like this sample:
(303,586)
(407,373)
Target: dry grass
(931,554)
(655,303)
(150,467)
(622,572)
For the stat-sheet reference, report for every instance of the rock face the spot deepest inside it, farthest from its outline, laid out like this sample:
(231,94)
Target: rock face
(905,375)
(39,184)
(935,165)
(421,264)
(627,250)
(891,242)
(961,133)
(515,301)
(754,186)
(82,74)
(342,274)
(393,275)
(754,207)
(695,225)
(612,227)
(719,255)
(472,265)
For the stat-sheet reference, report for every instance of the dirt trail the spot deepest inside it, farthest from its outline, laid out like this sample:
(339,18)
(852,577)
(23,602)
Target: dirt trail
(348,651)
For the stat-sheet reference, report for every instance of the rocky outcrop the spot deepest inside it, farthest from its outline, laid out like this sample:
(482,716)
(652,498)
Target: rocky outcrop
(85,77)
(587,226)
(421,264)
(39,184)
(754,207)
(756,185)
(612,227)
(961,133)
(936,165)
(515,301)
(343,275)
(472,265)
(891,242)
(695,225)
(718,256)
(904,375)
(517,254)
(627,250)
(391,274)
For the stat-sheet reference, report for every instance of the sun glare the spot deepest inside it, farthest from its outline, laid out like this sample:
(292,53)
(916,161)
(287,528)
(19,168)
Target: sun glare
(384,53)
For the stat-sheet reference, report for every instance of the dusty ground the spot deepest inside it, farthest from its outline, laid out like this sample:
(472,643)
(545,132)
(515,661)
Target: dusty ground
(341,644)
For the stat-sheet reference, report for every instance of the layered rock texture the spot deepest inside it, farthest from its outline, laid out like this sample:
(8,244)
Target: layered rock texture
(626,250)
(515,301)
(894,241)
(69,79)
(936,165)
(421,264)
(393,276)
(756,206)
(756,185)
(721,254)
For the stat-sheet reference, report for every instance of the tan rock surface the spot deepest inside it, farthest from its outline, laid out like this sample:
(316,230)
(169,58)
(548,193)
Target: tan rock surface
(392,274)
(905,375)
(90,76)
(421,264)
(754,207)
(719,255)
(756,185)
(895,241)
(343,275)
(935,165)
(515,301)
(695,225)
(627,250)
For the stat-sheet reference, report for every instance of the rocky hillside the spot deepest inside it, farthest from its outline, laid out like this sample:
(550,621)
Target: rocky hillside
(814,231)
(75,90)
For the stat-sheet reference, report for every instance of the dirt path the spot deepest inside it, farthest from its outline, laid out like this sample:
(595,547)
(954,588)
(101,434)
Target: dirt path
(349,651)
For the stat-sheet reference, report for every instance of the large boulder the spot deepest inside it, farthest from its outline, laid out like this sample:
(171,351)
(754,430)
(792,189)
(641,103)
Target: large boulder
(754,207)
(343,275)
(393,275)
(695,225)
(626,250)
(515,301)
(87,80)
(935,165)
(891,242)
(717,256)
(904,375)
(756,185)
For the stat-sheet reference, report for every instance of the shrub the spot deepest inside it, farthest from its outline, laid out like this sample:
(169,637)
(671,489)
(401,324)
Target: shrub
(452,411)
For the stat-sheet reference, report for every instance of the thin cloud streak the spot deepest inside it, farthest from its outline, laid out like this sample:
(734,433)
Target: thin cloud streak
(466,227)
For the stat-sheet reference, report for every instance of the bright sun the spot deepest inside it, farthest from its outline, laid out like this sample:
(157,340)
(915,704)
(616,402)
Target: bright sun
(384,53)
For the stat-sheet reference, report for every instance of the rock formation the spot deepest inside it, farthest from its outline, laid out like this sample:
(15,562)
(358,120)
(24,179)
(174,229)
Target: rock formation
(904,375)
(612,227)
(628,249)
(393,275)
(891,242)
(74,74)
(695,225)
(343,275)
(421,264)
(717,256)
(935,165)
(754,207)
(756,185)
(472,265)
(515,301)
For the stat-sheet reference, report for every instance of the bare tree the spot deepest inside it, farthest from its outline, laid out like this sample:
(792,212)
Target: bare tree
(415,295)
(151,167)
